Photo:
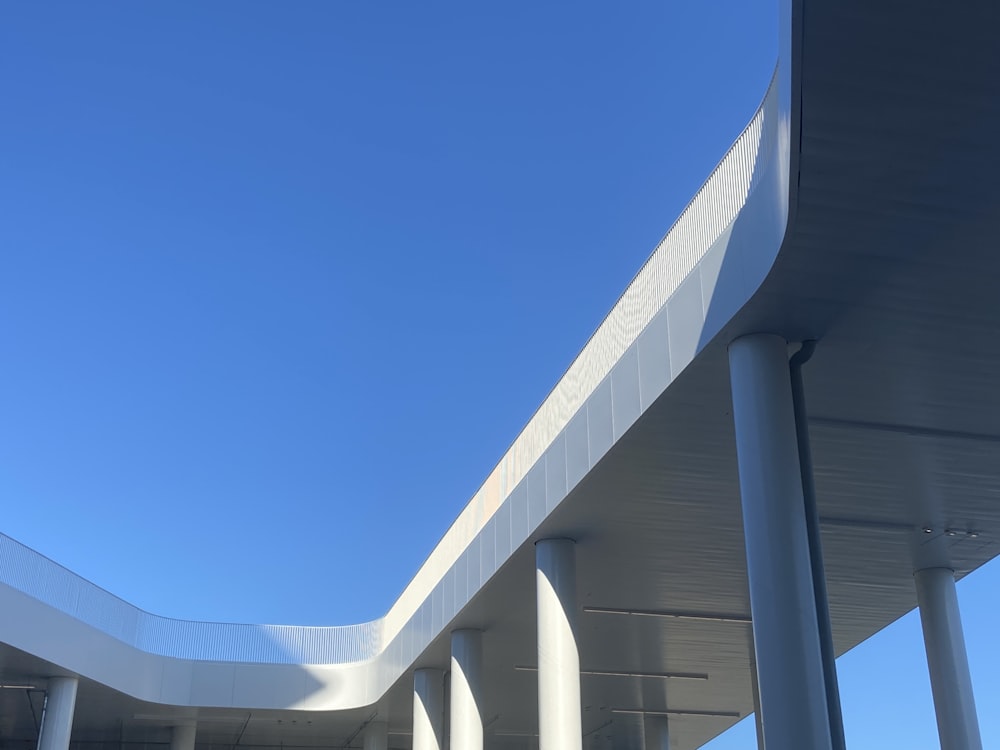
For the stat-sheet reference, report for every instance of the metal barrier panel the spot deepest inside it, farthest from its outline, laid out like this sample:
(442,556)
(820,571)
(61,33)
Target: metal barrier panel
(33,574)
(714,207)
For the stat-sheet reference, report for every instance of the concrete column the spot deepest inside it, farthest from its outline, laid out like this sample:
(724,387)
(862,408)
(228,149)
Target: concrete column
(947,661)
(57,721)
(182,736)
(466,690)
(376,736)
(559,712)
(655,733)
(428,709)
(785,628)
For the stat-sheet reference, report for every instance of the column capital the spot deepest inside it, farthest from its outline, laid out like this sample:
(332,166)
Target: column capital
(467,689)
(376,735)
(947,659)
(428,709)
(559,707)
(60,705)
(183,734)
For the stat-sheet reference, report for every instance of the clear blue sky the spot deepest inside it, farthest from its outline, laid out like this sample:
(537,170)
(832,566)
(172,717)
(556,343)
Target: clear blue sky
(262,262)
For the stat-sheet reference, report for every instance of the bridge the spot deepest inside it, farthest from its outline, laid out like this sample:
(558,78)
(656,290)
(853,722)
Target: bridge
(782,438)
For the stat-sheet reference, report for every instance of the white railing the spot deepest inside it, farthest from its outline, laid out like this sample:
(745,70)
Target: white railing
(37,576)
(702,222)
(713,208)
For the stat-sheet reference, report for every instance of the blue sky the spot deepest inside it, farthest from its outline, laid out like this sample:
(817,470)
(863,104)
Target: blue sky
(281,282)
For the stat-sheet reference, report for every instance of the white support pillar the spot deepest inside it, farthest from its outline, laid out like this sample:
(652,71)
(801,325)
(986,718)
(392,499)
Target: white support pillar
(947,661)
(559,709)
(428,709)
(57,722)
(466,690)
(655,732)
(785,629)
(182,736)
(376,736)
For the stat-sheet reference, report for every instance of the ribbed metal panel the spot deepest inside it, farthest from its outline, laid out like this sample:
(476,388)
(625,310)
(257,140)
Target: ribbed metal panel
(714,207)
(702,222)
(27,571)
(706,217)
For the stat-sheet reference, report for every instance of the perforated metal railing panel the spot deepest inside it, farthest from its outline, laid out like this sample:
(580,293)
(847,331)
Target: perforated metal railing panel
(713,208)
(37,576)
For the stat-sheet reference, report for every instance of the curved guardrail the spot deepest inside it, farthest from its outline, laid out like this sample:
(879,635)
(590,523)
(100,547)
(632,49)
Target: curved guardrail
(37,576)
(713,208)
(703,221)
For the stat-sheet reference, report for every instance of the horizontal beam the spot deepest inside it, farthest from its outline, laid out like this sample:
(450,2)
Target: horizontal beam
(616,673)
(903,429)
(673,615)
(678,712)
